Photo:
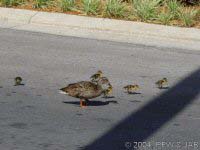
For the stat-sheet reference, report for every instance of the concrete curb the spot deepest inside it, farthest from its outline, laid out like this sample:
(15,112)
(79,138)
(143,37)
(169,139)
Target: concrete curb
(100,28)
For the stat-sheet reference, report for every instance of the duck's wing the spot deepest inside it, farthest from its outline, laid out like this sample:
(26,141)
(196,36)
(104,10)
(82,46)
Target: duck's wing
(89,90)
(83,89)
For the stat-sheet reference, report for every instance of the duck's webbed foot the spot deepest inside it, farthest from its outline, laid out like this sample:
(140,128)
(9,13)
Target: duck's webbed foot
(82,103)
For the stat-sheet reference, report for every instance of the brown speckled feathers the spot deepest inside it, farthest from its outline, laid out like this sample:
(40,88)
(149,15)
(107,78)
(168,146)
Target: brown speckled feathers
(83,89)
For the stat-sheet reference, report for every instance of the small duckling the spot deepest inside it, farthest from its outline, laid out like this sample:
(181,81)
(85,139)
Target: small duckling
(96,76)
(106,82)
(131,88)
(108,91)
(18,81)
(161,83)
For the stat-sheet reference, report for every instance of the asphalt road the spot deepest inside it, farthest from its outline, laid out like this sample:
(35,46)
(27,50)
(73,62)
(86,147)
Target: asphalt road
(35,117)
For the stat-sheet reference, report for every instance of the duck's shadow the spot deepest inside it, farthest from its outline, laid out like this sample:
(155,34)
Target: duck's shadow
(108,97)
(91,103)
(133,93)
(21,84)
(135,101)
(163,88)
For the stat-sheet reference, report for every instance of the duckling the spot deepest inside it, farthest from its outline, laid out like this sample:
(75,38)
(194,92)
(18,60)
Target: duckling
(161,83)
(84,90)
(131,88)
(108,91)
(18,81)
(105,80)
(96,76)
(106,83)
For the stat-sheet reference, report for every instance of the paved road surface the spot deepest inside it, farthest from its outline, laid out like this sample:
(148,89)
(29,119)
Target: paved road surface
(35,117)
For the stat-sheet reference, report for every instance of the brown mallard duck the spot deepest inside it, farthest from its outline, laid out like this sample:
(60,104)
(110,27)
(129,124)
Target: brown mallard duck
(131,88)
(161,83)
(95,77)
(85,90)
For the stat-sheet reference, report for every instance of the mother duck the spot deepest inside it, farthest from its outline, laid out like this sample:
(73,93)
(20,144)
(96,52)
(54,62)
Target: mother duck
(86,90)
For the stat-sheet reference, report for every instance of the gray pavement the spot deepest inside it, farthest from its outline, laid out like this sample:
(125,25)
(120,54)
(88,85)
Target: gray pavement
(34,117)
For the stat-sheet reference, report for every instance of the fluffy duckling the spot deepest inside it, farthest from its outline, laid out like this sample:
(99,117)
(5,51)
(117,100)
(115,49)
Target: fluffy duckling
(108,91)
(95,77)
(161,83)
(18,81)
(106,82)
(85,90)
(131,88)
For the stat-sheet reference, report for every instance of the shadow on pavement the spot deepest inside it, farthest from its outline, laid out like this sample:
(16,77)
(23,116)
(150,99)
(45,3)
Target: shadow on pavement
(150,118)
(133,93)
(108,97)
(91,103)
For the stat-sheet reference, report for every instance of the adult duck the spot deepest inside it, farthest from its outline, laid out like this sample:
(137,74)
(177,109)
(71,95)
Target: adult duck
(85,90)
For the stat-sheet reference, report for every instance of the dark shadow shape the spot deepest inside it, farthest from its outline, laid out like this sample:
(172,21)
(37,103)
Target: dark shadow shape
(1,87)
(114,102)
(108,97)
(136,101)
(146,121)
(176,124)
(18,125)
(163,88)
(143,76)
(8,94)
(28,107)
(21,84)
(90,103)
(134,93)
(79,114)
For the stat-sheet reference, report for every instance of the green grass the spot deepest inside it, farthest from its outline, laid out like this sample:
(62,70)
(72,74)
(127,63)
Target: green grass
(67,5)
(174,8)
(41,3)
(9,3)
(115,8)
(167,12)
(165,18)
(146,9)
(188,17)
(91,6)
